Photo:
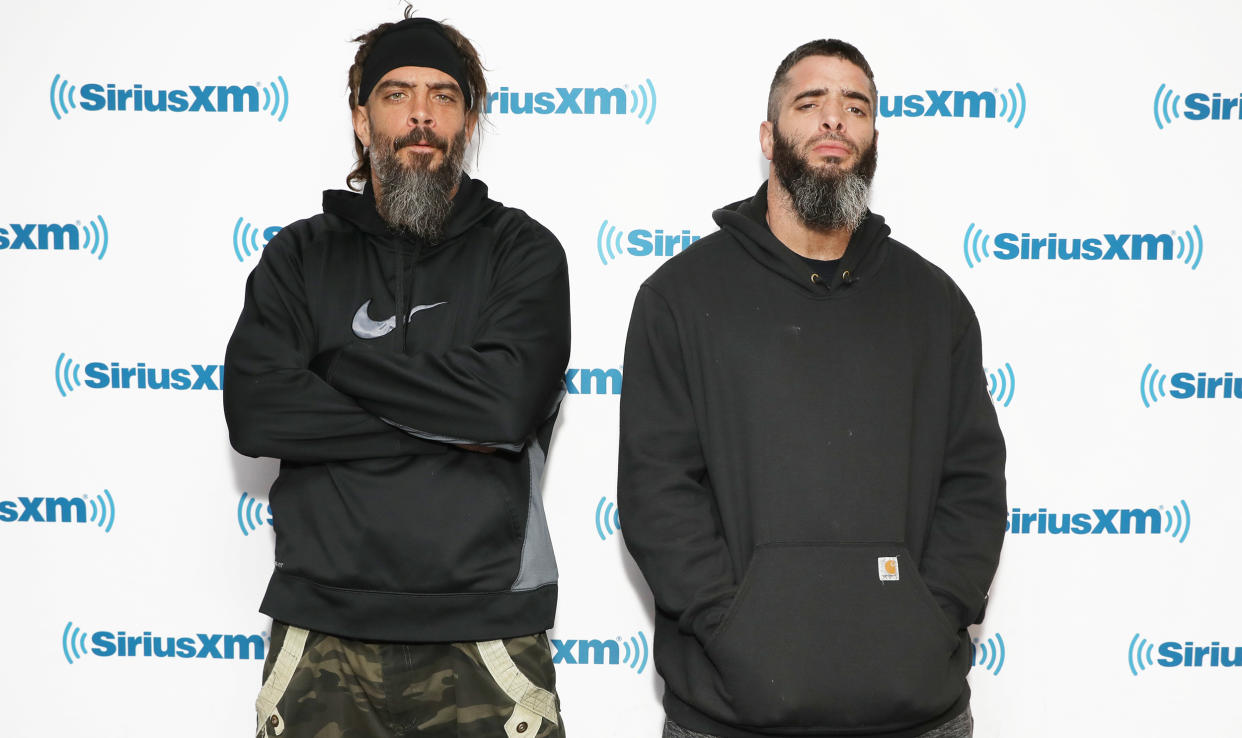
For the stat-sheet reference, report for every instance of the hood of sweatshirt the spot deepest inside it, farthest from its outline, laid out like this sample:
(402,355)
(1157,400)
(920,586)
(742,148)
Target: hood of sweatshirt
(747,221)
(470,205)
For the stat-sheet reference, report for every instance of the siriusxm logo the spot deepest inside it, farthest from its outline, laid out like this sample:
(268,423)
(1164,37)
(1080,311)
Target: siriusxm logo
(1199,106)
(252,514)
(246,238)
(1105,247)
(1174,522)
(102,375)
(988,655)
(593,381)
(641,242)
(1180,653)
(1001,385)
(91,238)
(1009,106)
(219,98)
(630,652)
(607,518)
(107,643)
(639,101)
(61,510)
(1187,386)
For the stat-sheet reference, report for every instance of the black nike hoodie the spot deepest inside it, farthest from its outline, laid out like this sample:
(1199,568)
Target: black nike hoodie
(363,359)
(811,478)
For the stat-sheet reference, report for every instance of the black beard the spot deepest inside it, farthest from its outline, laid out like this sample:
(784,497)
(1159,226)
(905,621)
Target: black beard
(417,199)
(831,199)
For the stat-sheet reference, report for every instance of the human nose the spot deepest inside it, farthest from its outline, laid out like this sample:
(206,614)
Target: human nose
(833,118)
(420,111)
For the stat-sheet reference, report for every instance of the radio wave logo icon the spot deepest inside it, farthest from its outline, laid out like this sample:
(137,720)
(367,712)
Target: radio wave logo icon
(73,642)
(95,239)
(250,239)
(252,514)
(1140,654)
(647,95)
(1001,383)
(1013,105)
(62,96)
(1166,106)
(276,99)
(103,510)
(68,375)
(608,245)
(1190,248)
(1151,385)
(988,655)
(636,652)
(607,518)
(1177,521)
(975,246)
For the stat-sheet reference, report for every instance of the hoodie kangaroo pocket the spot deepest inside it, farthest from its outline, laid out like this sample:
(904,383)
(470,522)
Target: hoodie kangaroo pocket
(836,636)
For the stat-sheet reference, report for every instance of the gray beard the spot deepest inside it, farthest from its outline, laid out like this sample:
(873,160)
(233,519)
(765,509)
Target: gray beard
(825,200)
(416,199)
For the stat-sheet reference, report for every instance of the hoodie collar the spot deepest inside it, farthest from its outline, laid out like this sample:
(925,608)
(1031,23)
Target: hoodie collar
(470,205)
(747,220)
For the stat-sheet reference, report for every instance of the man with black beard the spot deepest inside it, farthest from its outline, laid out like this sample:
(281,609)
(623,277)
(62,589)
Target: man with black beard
(402,354)
(811,473)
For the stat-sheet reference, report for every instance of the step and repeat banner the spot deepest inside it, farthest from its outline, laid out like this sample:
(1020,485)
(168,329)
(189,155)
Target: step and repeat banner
(1074,166)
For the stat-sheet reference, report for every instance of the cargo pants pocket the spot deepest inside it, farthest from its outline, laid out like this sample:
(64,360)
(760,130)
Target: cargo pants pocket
(532,704)
(269,720)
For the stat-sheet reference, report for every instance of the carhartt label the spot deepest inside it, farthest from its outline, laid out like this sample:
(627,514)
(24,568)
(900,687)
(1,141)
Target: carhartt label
(888,569)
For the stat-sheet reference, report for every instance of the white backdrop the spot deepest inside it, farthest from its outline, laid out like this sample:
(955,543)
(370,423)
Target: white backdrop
(125,514)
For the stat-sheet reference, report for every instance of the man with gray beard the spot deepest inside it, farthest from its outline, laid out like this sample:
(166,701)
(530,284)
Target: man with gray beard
(811,472)
(403,355)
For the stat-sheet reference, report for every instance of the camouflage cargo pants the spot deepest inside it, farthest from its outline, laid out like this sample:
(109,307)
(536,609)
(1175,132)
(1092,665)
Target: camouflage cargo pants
(321,686)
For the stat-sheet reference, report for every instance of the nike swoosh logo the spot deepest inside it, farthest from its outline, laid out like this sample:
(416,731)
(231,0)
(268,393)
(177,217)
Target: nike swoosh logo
(366,328)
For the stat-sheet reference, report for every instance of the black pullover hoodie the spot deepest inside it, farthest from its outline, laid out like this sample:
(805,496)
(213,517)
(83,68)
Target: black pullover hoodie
(361,360)
(811,478)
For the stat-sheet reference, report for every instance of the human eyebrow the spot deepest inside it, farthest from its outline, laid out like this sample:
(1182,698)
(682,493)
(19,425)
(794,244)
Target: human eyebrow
(816,92)
(444,86)
(391,84)
(856,95)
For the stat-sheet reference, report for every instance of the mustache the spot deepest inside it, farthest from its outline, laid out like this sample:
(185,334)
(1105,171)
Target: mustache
(421,136)
(835,137)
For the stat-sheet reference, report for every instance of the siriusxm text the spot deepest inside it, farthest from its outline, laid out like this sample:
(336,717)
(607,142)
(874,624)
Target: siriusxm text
(1202,106)
(114,376)
(1187,385)
(195,99)
(585,651)
(1098,521)
(942,103)
(199,646)
(40,237)
(1173,653)
(43,510)
(1109,247)
(645,243)
(593,381)
(561,101)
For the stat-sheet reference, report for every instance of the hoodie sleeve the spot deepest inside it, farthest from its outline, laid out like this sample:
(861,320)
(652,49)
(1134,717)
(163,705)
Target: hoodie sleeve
(664,495)
(273,404)
(968,523)
(497,389)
